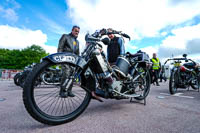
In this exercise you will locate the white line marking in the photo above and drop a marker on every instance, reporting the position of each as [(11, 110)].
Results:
[(177, 95), (166, 94)]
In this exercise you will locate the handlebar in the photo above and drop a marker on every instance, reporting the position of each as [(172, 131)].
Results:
[(104, 31), (179, 60)]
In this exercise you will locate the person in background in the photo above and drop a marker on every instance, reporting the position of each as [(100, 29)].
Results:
[(68, 43), (156, 67), (162, 74), (115, 47)]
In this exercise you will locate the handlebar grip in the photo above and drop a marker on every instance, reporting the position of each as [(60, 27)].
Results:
[(127, 36)]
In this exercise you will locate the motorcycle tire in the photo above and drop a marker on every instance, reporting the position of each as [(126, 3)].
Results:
[(16, 79), (147, 89), (36, 110), (197, 85), (172, 82), (22, 79)]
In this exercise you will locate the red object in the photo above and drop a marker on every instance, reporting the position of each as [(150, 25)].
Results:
[(182, 68)]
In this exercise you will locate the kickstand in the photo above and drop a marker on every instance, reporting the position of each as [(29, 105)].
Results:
[(138, 101), (188, 88)]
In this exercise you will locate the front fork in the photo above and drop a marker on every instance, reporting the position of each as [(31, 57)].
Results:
[(67, 84)]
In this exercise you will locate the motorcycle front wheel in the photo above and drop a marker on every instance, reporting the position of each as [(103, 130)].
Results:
[(45, 102), (173, 82)]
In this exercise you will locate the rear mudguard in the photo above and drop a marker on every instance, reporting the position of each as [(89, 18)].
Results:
[(66, 57)]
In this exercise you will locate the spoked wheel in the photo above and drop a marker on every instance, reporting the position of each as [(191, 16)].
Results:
[(47, 103), (195, 83), (143, 85), (172, 82)]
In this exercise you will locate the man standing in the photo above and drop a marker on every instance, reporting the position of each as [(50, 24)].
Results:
[(115, 47), (155, 68), (68, 43)]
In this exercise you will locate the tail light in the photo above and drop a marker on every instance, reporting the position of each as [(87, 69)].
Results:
[(182, 68)]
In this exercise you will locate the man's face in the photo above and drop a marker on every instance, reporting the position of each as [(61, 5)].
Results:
[(111, 36), (154, 55), (75, 32)]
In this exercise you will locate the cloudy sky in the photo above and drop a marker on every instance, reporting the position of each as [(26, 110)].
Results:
[(168, 27)]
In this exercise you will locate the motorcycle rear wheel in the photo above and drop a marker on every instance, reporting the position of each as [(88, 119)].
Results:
[(197, 82), (144, 86), (57, 110)]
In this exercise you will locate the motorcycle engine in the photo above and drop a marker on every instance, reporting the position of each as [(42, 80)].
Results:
[(117, 85)]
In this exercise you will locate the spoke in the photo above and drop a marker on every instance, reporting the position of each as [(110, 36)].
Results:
[(44, 94), (53, 101), (72, 103), (47, 97), (68, 100), (76, 100), (66, 105), (58, 105), (54, 106), (79, 97)]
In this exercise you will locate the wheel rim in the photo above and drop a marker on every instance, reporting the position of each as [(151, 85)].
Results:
[(142, 87), (47, 99)]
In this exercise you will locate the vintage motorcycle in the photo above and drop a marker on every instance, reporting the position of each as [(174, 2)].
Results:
[(184, 76), (50, 76), (20, 77), (52, 105)]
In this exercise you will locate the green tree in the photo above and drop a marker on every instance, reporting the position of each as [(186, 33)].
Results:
[(18, 59)]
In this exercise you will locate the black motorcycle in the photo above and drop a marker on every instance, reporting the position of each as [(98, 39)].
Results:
[(51, 76), (184, 76), (51, 104), (20, 77)]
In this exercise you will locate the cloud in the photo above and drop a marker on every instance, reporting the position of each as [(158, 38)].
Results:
[(9, 13), (138, 18), (183, 40), (16, 38), (52, 26), (150, 50), (176, 2)]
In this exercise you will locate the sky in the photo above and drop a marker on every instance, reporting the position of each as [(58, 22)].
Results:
[(167, 27)]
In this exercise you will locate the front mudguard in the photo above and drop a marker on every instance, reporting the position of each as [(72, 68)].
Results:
[(66, 57), (87, 81)]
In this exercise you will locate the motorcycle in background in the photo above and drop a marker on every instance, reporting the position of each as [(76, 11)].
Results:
[(184, 76), (20, 77)]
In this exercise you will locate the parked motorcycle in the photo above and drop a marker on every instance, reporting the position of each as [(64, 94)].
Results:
[(184, 76), (20, 77), (53, 105), (51, 76)]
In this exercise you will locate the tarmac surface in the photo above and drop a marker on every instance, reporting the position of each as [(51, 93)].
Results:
[(163, 113)]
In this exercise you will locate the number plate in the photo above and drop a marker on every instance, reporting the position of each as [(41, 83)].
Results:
[(64, 58)]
